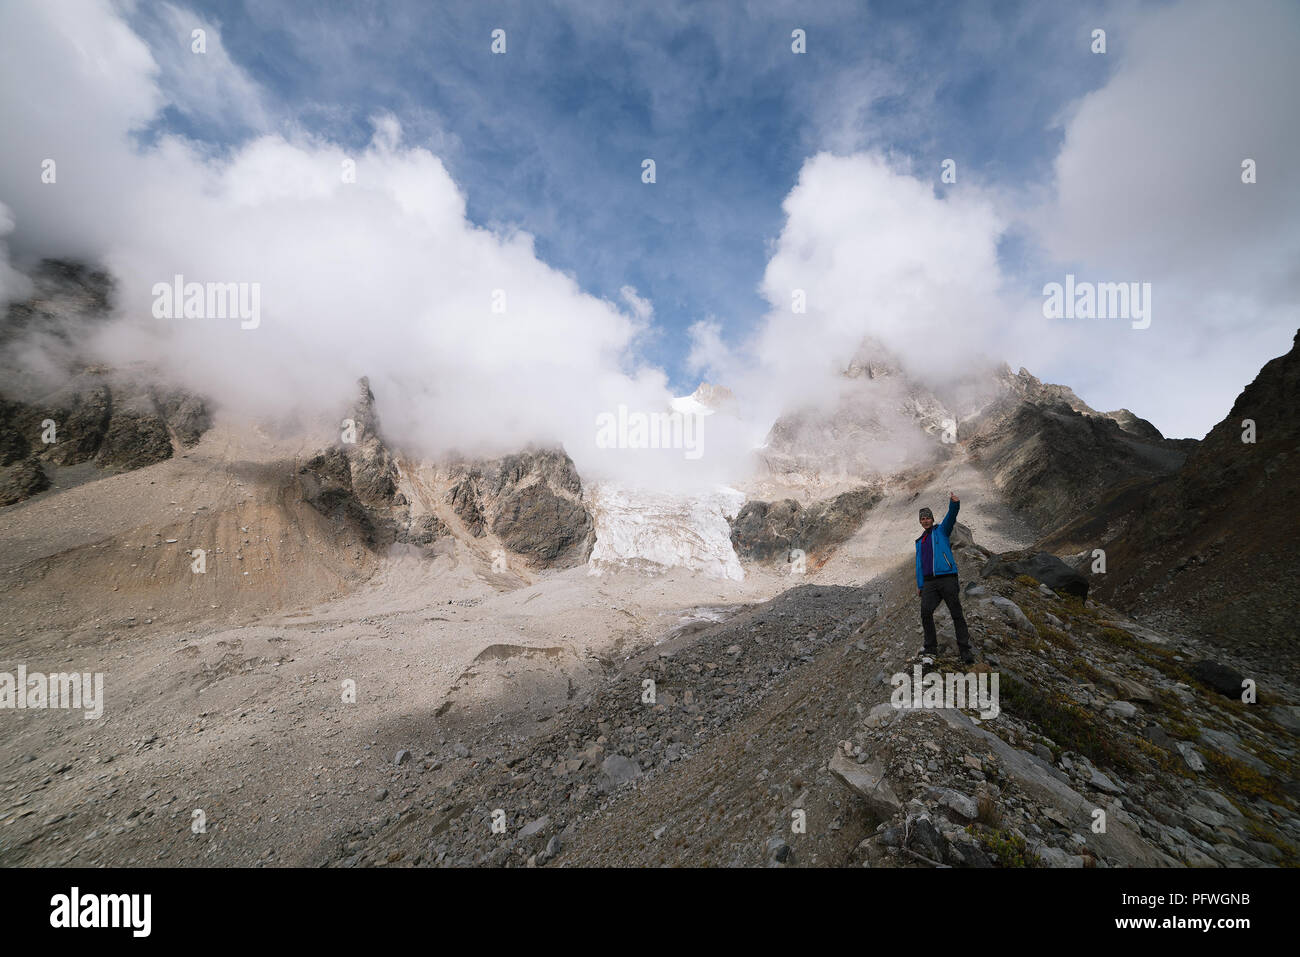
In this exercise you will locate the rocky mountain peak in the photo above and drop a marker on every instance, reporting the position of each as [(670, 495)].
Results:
[(715, 397)]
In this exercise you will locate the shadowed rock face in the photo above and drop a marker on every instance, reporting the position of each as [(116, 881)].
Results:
[(81, 412), (1052, 461), (425, 530), (98, 415), (537, 522), (187, 415), (356, 484), (20, 480), (1214, 544), (1053, 456), (532, 501), (326, 485), (135, 437), (770, 530), (765, 530), (96, 418), (466, 502)]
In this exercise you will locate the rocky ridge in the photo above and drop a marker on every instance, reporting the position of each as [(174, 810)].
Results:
[(531, 501), (1054, 457), (1209, 549)]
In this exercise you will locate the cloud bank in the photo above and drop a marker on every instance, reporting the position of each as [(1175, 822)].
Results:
[(365, 262)]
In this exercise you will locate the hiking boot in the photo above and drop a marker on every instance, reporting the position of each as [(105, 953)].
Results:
[(968, 658)]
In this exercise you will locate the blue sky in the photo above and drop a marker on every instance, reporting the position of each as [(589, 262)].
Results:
[(551, 135)]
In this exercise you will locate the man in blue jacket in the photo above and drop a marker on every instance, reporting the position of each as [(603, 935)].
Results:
[(936, 580)]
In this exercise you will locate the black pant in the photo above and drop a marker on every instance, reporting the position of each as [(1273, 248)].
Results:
[(935, 590)]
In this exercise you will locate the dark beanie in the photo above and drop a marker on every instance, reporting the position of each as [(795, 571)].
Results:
[(926, 513)]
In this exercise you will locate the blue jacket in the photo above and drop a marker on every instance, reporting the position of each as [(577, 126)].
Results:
[(940, 551)]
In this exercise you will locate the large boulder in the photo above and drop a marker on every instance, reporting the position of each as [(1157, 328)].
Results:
[(765, 530), (871, 783), (616, 771), (1224, 679), (1042, 566), (1012, 613)]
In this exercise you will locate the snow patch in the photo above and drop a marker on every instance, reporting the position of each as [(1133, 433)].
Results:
[(689, 405)]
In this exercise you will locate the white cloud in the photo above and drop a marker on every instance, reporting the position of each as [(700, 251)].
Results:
[(1148, 188), (385, 276), (209, 87), (382, 277), (709, 354), (13, 284), (876, 254), (643, 309)]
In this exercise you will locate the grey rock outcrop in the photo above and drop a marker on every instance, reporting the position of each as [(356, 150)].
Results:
[(870, 781), (763, 531), (98, 418), (356, 483), (531, 501), (66, 410), (1053, 457), (21, 480)]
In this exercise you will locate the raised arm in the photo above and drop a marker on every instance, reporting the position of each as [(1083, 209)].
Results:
[(949, 520)]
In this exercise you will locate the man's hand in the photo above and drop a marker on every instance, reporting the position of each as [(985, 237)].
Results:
[(953, 498)]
